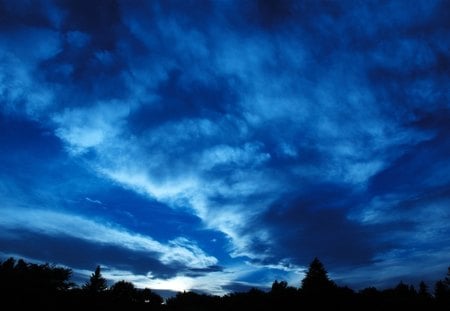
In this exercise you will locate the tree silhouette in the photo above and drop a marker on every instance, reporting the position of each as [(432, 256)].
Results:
[(42, 285), (447, 278), (316, 280), (279, 287), (8, 265), (423, 295), (31, 286), (151, 298), (34, 277), (442, 290), (423, 290), (96, 283), (282, 294), (123, 292)]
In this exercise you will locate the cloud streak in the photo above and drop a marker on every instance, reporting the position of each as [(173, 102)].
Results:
[(179, 251)]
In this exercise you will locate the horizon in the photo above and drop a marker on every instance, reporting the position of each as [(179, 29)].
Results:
[(75, 283), (218, 145)]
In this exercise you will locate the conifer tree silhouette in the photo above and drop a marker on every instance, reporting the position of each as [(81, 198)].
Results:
[(442, 290), (447, 278), (423, 290), (96, 283), (316, 279)]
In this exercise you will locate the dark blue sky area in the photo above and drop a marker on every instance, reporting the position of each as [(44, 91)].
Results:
[(217, 145)]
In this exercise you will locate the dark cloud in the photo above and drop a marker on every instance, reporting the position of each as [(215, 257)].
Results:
[(180, 98), (237, 287), (303, 229), (413, 173), (32, 14), (203, 271), (99, 18), (271, 13)]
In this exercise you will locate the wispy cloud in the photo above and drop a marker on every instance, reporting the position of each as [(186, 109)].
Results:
[(179, 251), (94, 201)]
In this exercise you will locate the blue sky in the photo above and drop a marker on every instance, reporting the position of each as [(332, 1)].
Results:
[(218, 145)]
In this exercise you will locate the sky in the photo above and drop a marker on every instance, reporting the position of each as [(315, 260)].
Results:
[(220, 145)]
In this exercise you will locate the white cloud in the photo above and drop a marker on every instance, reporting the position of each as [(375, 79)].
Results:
[(359, 173), (136, 178), (187, 253), (141, 164), (93, 201), (18, 91), (247, 155), (179, 251), (230, 219), (428, 213), (84, 128)]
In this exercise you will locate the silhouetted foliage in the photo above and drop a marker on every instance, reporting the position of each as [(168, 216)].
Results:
[(423, 289), (442, 291), (146, 296), (27, 285), (22, 282), (123, 292), (423, 295), (402, 296), (97, 283), (283, 295), (316, 280), (192, 301)]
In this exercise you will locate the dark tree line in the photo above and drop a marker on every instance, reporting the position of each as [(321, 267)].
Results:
[(44, 286), (28, 285)]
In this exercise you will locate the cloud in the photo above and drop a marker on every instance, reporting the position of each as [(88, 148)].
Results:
[(94, 201), (293, 129), (179, 251), (426, 213), (85, 128), (390, 268)]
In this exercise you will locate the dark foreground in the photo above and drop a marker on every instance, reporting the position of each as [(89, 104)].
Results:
[(33, 286)]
